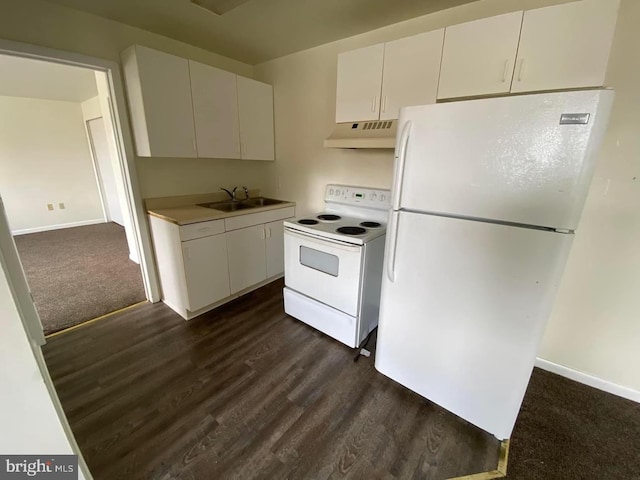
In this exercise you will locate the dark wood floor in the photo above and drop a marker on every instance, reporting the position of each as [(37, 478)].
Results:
[(246, 392)]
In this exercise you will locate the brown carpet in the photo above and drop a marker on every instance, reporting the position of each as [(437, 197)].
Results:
[(567, 430), (80, 273)]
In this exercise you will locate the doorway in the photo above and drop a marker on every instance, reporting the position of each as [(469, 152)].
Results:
[(131, 210), (104, 172), (59, 182)]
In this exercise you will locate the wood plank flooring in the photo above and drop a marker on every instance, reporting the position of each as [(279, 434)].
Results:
[(246, 392)]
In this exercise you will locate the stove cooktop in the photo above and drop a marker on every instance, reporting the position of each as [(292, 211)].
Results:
[(338, 227)]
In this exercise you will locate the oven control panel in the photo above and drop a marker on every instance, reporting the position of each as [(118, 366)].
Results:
[(362, 196)]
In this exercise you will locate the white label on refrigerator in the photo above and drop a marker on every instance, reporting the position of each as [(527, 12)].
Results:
[(574, 118)]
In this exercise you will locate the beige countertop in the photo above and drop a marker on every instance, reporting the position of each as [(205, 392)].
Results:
[(184, 210)]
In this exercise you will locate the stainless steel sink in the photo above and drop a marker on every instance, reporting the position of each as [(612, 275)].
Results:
[(241, 205), (262, 201), (227, 206)]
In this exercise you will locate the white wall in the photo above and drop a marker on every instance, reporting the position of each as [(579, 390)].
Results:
[(91, 108), (117, 168), (47, 24), (595, 327), (45, 158), (91, 111), (30, 422)]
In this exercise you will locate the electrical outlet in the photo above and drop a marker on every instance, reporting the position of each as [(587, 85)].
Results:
[(49, 206), (61, 205)]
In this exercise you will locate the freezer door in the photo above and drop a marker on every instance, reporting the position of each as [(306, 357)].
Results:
[(463, 309), (525, 159)]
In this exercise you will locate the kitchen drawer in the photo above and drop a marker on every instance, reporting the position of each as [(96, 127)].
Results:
[(248, 220), (201, 229)]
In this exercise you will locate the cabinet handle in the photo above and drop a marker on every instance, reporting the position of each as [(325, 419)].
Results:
[(187, 252), (521, 70), (374, 101), (505, 71), (263, 234), (384, 103), (268, 232), (193, 142)]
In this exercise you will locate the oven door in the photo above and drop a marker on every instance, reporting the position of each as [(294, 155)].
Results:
[(322, 269)]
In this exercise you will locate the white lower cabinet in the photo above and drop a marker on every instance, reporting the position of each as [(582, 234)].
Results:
[(274, 247), (202, 265), (192, 263), (205, 270), (247, 258), (255, 253)]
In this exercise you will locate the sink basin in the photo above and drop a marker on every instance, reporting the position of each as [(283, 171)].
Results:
[(262, 201), (241, 205), (227, 206)]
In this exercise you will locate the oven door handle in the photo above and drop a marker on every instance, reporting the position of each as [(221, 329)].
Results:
[(323, 241)]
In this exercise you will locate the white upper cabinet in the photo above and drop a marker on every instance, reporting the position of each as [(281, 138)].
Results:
[(359, 81), (565, 46), (255, 106), (215, 111), (411, 71), (182, 108), (478, 57), (159, 92)]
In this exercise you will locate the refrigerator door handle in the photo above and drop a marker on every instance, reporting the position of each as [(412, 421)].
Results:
[(391, 254), (400, 160)]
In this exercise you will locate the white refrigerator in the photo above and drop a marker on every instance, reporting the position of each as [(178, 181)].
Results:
[(486, 197)]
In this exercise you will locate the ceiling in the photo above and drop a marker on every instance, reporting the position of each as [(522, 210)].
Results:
[(260, 30), (23, 77)]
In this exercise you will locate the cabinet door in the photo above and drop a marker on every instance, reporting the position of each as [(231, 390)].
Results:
[(255, 105), (411, 71), (206, 270), (359, 82), (159, 93), (215, 111), (565, 46), (246, 251), (478, 57), (275, 248)]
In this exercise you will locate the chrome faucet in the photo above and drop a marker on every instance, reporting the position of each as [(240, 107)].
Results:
[(232, 194), (246, 192)]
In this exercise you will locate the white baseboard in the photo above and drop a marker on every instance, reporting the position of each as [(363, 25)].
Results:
[(590, 380), (46, 228), (134, 258)]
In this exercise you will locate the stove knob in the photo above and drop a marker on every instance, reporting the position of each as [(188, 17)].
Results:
[(338, 192), (382, 197), (373, 196), (331, 191)]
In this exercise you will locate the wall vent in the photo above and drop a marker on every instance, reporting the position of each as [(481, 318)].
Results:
[(377, 125), (366, 134)]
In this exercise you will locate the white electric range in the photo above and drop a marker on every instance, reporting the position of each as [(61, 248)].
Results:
[(333, 263)]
